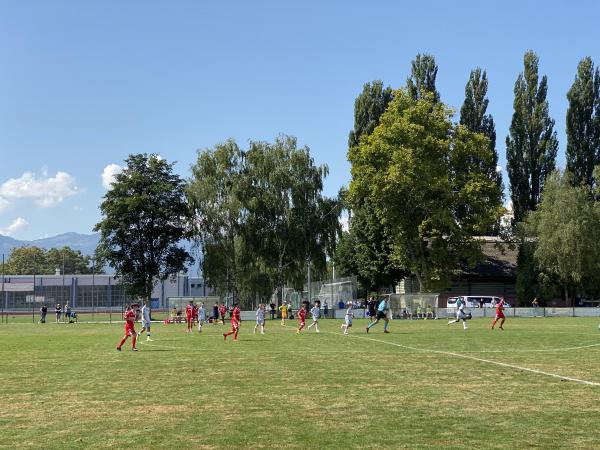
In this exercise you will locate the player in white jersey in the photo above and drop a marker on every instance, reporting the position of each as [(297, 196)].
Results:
[(460, 314), (260, 319), (201, 317), (315, 312), (348, 318), (145, 320)]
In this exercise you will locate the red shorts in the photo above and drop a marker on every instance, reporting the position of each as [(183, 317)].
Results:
[(188, 318), (129, 331), (301, 323), (235, 325), (500, 315)]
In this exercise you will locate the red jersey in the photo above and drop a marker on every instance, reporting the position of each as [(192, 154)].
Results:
[(500, 307), (222, 310), (195, 311), (129, 317), (301, 315), (189, 311), (235, 315)]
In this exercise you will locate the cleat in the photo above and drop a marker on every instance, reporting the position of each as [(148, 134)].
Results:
[(134, 349), (224, 336), (119, 349), (367, 330), (386, 331), (149, 340)]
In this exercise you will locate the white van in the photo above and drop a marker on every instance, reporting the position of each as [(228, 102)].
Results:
[(474, 301)]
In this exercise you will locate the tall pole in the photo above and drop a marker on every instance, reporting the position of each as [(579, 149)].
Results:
[(309, 282), (93, 286), (33, 302), (5, 304)]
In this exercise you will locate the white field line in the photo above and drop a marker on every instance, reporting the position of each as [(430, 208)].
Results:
[(531, 351), (488, 361)]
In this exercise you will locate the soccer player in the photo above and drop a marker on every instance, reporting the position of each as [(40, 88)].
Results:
[(315, 312), (260, 319), (129, 317), (189, 316), (301, 318), (348, 318), (284, 310), (222, 312), (499, 314), (235, 323), (194, 313), (460, 313), (381, 314), (201, 317), (145, 320)]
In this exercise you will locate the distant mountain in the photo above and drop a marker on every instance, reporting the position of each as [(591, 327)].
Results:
[(86, 243)]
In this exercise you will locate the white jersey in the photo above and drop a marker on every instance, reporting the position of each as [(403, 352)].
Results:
[(260, 315), (145, 313), (315, 312), (201, 313), (350, 312)]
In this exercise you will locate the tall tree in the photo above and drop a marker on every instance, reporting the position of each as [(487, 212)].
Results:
[(214, 196), (413, 170), (370, 104), (422, 77), (531, 145), (473, 116), (583, 123), (365, 249), (144, 218), (566, 232)]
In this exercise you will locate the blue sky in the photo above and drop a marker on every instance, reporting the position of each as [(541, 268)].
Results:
[(83, 84)]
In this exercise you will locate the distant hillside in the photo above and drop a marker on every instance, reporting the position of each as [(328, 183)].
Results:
[(86, 243)]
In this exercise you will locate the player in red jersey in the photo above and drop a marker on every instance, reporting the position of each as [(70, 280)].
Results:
[(222, 311), (194, 313), (235, 323), (129, 317), (301, 318), (499, 314), (189, 316)]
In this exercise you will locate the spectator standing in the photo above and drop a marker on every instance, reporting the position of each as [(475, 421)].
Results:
[(58, 312), (67, 312), (272, 305), (215, 313), (43, 312), (536, 306), (325, 309)]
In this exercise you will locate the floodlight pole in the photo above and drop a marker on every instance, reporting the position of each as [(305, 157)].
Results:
[(5, 303), (309, 281), (93, 286)]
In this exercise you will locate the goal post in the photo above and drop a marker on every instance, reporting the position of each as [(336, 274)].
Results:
[(413, 306)]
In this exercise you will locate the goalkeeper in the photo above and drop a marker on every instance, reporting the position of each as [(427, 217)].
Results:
[(461, 314)]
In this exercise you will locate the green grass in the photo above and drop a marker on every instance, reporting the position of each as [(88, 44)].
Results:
[(65, 386)]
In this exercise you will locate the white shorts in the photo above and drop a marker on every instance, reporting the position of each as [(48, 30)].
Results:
[(348, 320), (460, 315), (315, 319), (260, 322), (146, 325)]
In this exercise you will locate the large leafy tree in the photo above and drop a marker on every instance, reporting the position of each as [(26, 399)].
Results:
[(583, 123), (370, 104), (144, 219), (531, 145), (413, 170), (423, 73), (566, 232), (290, 224), (214, 196), (35, 260), (365, 249), (473, 115)]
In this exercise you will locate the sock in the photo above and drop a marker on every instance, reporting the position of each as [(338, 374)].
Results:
[(371, 325), (385, 326), (465, 325), (147, 335), (235, 335), (133, 339), (122, 342), (317, 328)]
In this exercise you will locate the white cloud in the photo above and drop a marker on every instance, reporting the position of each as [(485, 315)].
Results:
[(108, 174), (345, 222), (3, 204), (498, 169), (44, 191), (18, 224)]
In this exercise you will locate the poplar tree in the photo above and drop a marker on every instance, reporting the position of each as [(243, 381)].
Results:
[(422, 77), (531, 145), (583, 124), (370, 104)]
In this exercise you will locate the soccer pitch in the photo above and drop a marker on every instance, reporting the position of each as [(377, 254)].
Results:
[(425, 385)]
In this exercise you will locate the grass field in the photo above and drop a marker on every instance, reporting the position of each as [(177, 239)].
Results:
[(425, 385)]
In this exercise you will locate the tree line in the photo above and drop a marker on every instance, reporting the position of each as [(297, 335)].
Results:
[(38, 261), (412, 191), (424, 186)]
